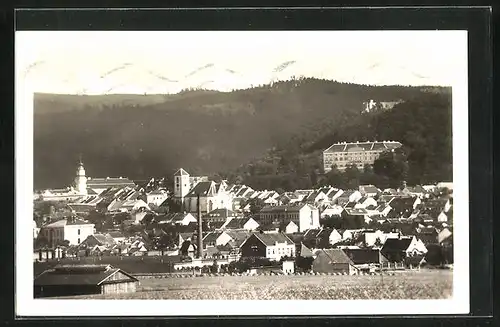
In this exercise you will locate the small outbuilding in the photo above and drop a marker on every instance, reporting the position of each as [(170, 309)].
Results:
[(71, 280), (333, 261)]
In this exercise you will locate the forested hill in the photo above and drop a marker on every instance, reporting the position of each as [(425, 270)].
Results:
[(205, 132), (422, 124)]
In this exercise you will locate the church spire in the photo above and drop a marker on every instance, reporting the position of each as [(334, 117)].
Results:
[(81, 179)]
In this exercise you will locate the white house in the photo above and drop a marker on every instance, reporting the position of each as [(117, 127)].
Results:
[(219, 238), (291, 228), (179, 218), (350, 233), (156, 197), (273, 246), (138, 215), (370, 237), (36, 230), (317, 198), (386, 236), (369, 190), (335, 194), (332, 210), (127, 205), (443, 217), (429, 188), (72, 229), (383, 209), (302, 194), (443, 235), (305, 216), (396, 249), (366, 201), (272, 200), (417, 191), (241, 223), (333, 235), (349, 196)]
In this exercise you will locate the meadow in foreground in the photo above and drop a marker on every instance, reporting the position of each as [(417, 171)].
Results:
[(407, 285)]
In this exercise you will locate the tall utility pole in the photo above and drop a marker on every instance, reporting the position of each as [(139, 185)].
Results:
[(200, 229)]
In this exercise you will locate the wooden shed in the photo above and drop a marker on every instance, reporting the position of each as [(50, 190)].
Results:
[(333, 261), (71, 280)]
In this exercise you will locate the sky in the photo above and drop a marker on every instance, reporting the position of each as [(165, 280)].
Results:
[(76, 62)]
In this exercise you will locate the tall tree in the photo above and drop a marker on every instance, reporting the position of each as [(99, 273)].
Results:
[(352, 176), (334, 177), (393, 165)]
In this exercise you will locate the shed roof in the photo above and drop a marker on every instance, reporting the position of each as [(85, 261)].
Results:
[(80, 275), (362, 256), (335, 255), (396, 244)]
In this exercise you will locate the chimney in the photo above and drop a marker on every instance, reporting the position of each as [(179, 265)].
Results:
[(200, 230)]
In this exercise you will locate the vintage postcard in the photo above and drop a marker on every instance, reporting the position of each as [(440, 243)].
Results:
[(328, 169)]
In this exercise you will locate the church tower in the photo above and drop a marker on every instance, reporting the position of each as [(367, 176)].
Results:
[(181, 184), (81, 179)]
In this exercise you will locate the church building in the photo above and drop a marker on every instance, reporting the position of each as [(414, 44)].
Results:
[(212, 195)]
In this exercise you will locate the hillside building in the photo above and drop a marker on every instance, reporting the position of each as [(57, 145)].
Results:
[(360, 153)]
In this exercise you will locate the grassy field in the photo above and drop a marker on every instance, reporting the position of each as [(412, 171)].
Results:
[(423, 284)]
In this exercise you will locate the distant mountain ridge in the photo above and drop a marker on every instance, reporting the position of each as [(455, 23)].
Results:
[(206, 132), (134, 78)]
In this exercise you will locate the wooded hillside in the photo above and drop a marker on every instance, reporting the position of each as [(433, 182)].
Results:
[(214, 132)]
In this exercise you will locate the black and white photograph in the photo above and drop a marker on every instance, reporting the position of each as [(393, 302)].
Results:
[(242, 165)]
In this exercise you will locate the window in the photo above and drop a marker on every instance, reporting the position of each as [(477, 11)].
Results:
[(78, 233), (78, 240)]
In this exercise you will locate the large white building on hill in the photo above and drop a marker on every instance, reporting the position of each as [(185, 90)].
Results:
[(359, 153)]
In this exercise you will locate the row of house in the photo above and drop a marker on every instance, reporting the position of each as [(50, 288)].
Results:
[(221, 203)]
